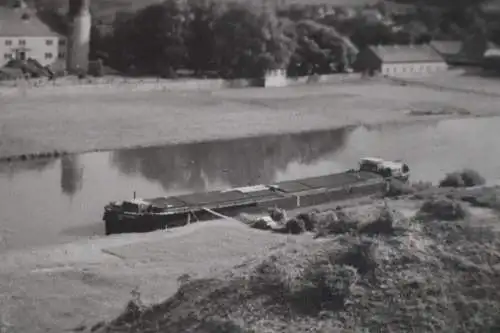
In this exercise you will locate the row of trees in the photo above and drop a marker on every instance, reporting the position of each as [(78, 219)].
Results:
[(230, 39), (244, 40)]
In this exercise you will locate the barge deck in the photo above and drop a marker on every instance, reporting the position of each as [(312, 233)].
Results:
[(144, 215)]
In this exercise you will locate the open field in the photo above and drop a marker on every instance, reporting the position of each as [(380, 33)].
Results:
[(55, 289), (97, 120), (60, 288)]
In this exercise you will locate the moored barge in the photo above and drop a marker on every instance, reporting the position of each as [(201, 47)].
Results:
[(143, 215)]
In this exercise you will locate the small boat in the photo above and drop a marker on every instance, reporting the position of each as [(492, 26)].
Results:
[(143, 215)]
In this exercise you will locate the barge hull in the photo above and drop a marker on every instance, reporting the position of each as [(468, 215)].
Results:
[(287, 195)]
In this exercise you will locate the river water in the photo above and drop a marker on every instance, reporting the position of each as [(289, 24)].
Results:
[(48, 202)]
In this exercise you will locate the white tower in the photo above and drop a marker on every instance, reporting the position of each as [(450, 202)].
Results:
[(79, 35)]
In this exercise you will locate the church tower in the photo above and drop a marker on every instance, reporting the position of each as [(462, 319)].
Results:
[(79, 35)]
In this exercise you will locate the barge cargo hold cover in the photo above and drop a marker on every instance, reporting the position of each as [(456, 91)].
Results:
[(143, 215)]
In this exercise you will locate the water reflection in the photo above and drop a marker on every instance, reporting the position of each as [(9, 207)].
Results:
[(236, 163), (17, 167), (71, 174)]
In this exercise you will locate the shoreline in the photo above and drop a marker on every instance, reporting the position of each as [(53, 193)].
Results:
[(410, 120)]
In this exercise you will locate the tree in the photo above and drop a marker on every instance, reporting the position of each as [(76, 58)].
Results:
[(153, 39), (200, 34), (320, 50), (250, 41)]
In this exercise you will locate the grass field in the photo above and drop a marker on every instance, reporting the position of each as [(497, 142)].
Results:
[(115, 118)]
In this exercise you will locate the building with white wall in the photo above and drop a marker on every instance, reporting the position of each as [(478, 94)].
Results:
[(24, 36), (400, 60)]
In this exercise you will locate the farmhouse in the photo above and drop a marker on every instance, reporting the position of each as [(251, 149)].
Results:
[(24, 36), (399, 60)]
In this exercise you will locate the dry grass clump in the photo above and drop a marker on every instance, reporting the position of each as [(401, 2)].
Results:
[(442, 208), (381, 220), (464, 178)]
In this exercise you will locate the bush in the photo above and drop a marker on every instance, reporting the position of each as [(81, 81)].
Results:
[(323, 285), (486, 198), (277, 214), (443, 208), (295, 226), (397, 188), (383, 224), (310, 219), (334, 222), (464, 178)]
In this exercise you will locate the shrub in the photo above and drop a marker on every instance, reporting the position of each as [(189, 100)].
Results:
[(486, 198), (442, 208), (310, 219), (295, 226), (323, 285), (464, 178), (362, 255), (334, 222), (383, 224), (397, 188), (277, 214), (260, 224)]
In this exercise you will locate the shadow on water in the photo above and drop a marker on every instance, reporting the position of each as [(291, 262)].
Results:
[(236, 162)]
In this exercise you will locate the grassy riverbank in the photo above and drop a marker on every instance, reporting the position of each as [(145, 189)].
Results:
[(249, 280), (428, 263), (95, 121)]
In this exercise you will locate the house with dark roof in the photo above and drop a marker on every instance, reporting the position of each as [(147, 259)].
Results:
[(399, 60), (24, 36)]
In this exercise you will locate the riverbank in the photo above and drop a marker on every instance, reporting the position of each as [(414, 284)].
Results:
[(94, 122), (62, 288)]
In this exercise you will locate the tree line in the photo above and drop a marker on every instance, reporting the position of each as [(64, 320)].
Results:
[(227, 39), (246, 39)]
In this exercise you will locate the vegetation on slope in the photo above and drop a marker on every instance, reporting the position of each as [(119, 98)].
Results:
[(419, 274)]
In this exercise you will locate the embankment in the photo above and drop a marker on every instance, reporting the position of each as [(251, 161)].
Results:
[(246, 279)]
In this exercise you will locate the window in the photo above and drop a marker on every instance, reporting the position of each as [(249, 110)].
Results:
[(48, 55), (8, 42), (49, 42), (7, 56), (61, 55), (62, 42), (22, 42)]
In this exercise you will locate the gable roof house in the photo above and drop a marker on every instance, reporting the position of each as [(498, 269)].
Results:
[(24, 36), (399, 60)]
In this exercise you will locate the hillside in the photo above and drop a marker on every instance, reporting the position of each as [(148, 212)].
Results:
[(419, 266)]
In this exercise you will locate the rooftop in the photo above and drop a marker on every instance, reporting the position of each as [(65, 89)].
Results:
[(406, 53), (448, 47), (23, 22)]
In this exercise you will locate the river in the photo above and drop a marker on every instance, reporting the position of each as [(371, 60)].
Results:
[(48, 202)]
